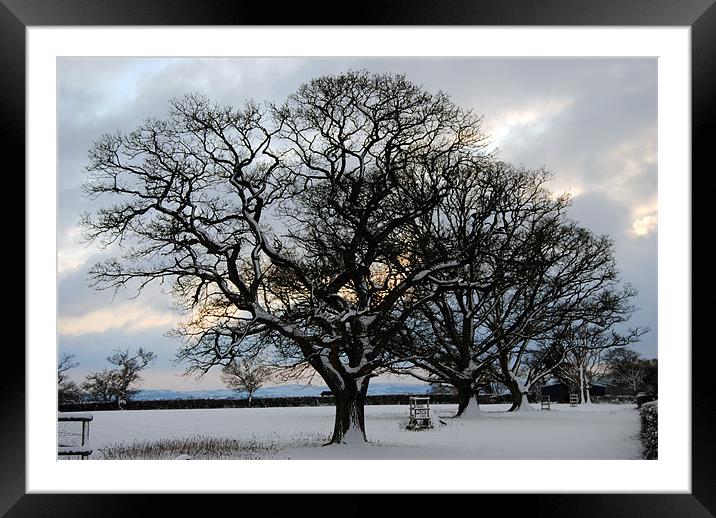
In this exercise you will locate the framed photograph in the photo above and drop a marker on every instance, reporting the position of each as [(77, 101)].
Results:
[(456, 242)]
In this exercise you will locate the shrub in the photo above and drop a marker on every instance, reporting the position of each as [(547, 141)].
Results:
[(649, 413)]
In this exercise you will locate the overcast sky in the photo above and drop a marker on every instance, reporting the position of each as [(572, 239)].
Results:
[(592, 122)]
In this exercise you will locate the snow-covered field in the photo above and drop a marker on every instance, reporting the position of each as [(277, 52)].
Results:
[(600, 431)]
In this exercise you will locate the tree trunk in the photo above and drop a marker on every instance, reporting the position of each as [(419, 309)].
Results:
[(467, 403), (510, 382), (516, 395), (349, 426), (520, 402), (251, 396), (523, 404)]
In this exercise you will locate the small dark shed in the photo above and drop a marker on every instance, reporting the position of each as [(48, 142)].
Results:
[(559, 392)]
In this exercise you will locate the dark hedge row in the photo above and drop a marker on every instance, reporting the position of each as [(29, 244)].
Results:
[(243, 403), (393, 399), (649, 413)]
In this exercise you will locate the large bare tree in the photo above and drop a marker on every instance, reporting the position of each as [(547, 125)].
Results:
[(531, 272), (579, 292), (290, 220), (493, 215)]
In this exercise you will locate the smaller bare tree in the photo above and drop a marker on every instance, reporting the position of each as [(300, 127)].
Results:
[(583, 357), (100, 386), (626, 368), (119, 383), (67, 389), (246, 375)]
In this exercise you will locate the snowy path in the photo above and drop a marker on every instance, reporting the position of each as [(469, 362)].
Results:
[(592, 432)]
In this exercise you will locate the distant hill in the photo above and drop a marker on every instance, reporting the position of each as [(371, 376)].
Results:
[(374, 389)]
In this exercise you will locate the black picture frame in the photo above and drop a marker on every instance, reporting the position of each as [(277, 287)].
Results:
[(699, 15)]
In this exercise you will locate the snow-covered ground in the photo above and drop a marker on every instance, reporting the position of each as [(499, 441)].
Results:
[(600, 431)]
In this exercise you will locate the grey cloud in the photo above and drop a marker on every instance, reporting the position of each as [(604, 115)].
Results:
[(636, 258), (75, 297), (92, 349)]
